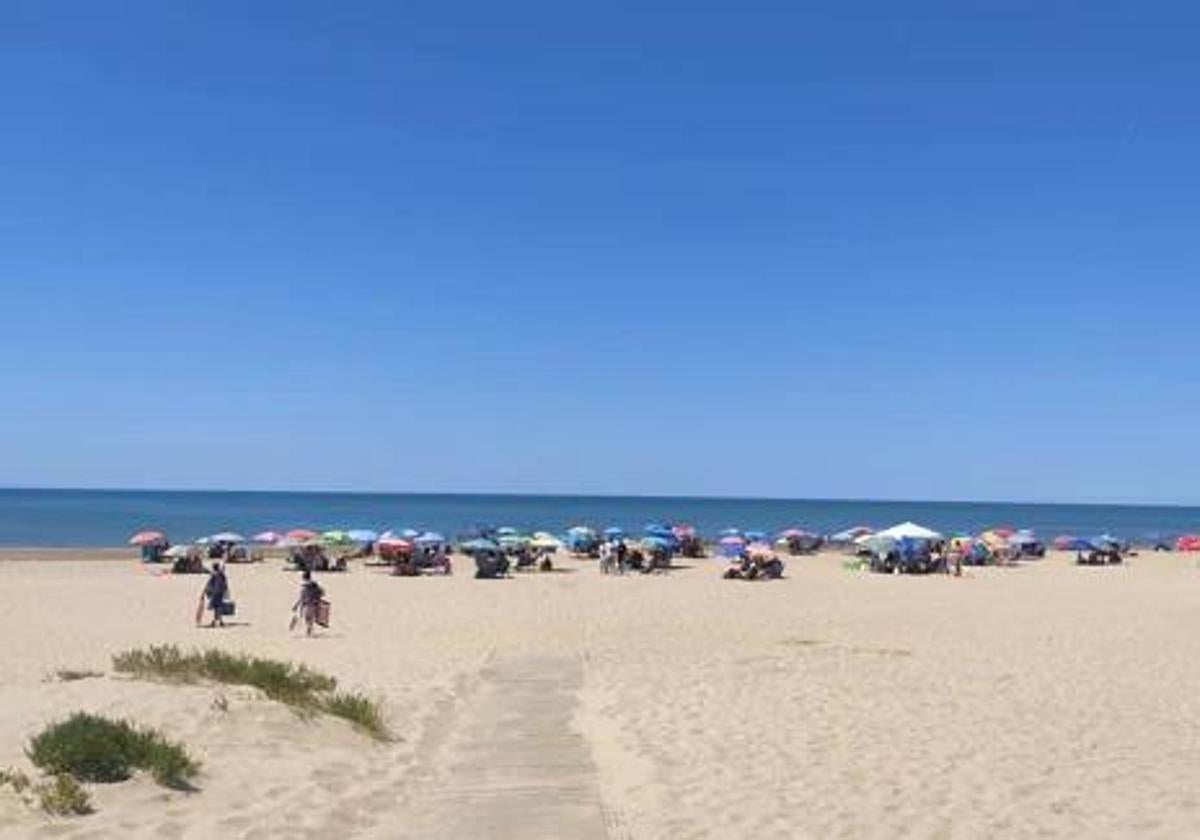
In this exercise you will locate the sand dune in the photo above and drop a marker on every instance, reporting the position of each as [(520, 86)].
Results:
[(1039, 701)]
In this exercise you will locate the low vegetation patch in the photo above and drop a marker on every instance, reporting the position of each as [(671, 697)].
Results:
[(71, 675), (91, 748), (304, 690), (14, 779), (62, 796), (359, 710)]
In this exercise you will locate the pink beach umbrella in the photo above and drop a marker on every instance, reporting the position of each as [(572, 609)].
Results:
[(300, 535), (144, 538)]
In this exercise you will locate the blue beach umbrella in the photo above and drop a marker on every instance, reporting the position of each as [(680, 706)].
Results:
[(363, 535), (614, 533), (429, 538), (479, 545)]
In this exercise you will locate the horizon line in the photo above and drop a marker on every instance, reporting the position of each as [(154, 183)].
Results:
[(579, 495)]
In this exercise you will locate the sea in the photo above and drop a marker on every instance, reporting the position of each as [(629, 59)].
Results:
[(96, 518)]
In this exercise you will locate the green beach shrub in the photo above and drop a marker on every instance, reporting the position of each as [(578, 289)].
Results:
[(91, 748)]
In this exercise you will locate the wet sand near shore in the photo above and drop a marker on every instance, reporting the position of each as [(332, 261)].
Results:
[(1044, 700)]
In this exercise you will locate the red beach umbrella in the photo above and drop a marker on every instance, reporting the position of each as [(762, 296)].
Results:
[(148, 538), (302, 535)]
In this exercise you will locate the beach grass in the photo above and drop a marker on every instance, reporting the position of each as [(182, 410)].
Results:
[(63, 796), (92, 748), (15, 779), (362, 711), (303, 689)]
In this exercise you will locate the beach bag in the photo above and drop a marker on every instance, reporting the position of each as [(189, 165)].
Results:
[(228, 608), (323, 608)]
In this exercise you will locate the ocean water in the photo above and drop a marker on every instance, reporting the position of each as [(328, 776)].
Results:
[(109, 517)]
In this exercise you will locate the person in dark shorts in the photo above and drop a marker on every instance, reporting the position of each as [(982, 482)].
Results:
[(216, 591)]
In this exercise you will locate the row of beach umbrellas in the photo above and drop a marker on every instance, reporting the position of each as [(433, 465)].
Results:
[(731, 541)]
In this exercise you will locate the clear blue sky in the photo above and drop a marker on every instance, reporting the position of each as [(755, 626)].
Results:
[(864, 249)]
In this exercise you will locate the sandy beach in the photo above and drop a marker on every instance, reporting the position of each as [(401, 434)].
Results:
[(1044, 700)]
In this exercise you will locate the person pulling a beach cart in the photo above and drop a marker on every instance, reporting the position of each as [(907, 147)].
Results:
[(311, 605)]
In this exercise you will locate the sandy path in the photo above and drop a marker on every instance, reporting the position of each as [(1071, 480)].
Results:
[(512, 763)]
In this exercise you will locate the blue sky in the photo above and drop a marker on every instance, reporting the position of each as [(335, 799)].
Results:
[(920, 250)]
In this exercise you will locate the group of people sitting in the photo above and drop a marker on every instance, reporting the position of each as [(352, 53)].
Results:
[(756, 567), (617, 558), (432, 558), (312, 558)]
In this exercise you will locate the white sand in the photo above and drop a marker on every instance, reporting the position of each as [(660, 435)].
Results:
[(1039, 701)]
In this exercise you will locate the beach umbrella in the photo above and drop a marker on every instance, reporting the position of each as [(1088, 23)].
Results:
[(268, 537), (731, 532), (299, 535), (479, 545), (336, 537), (683, 530), (512, 540), (1188, 542), (402, 534), (653, 542), (545, 541), (429, 538), (755, 536), (362, 535), (993, 539), (850, 534), (793, 532), (175, 552), (580, 529), (731, 546), (227, 537), (144, 538), (614, 533), (507, 531)]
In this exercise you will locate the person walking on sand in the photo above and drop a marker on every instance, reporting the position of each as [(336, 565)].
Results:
[(308, 605), (216, 590)]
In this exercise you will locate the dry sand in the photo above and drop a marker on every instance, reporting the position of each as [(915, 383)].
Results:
[(1039, 701)]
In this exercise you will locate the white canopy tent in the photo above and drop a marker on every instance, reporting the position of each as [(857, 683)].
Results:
[(911, 530)]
